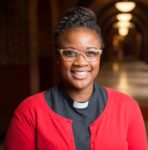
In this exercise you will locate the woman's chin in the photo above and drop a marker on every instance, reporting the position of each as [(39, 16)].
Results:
[(80, 85)]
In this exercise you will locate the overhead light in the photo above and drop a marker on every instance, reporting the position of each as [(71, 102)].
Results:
[(125, 6), (121, 24), (123, 31), (124, 16)]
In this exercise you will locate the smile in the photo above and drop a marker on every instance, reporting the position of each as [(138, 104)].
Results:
[(80, 74)]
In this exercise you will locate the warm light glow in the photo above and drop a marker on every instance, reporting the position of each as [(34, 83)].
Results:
[(115, 67), (123, 83), (123, 31), (125, 6), (121, 24), (124, 17), (115, 42)]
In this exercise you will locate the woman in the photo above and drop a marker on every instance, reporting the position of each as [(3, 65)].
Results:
[(77, 114)]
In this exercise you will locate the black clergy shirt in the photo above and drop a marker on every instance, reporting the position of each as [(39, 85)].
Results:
[(61, 103)]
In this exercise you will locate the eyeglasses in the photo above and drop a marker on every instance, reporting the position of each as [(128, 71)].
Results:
[(89, 55)]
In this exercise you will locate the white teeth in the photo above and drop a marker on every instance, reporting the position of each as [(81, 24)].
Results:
[(80, 74)]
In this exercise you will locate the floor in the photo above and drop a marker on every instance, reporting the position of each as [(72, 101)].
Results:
[(128, 77)]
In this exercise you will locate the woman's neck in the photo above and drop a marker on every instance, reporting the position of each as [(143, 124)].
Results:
[(80, 95)]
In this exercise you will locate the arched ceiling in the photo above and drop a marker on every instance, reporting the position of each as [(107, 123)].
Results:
[(106, 14)]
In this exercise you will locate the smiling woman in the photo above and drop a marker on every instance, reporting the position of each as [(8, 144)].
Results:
[(80, 72), (77, 114)]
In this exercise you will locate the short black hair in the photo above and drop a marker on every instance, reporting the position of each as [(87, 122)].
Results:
[(77, 17)]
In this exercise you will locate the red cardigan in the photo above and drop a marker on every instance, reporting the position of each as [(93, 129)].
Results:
[(35, 126)]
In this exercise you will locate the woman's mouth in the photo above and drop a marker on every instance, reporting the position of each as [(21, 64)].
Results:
[(80, 74)]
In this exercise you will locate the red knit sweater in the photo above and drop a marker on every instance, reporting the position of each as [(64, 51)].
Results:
[(35, 126)]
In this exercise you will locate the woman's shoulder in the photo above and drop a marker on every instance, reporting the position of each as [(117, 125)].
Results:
[(31, 102), (36, 102), (120, 98)]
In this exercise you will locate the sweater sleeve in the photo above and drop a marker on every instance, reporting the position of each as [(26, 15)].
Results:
[(136, 132), (21, 132)]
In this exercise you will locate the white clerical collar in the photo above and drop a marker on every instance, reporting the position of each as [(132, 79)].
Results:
[(81, 105)]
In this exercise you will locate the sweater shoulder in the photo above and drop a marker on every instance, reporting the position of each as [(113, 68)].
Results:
[(120, 98), (31, 102)]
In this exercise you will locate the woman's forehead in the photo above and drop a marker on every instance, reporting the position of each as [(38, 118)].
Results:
[(80, 37), (79, 33), (80, 30)]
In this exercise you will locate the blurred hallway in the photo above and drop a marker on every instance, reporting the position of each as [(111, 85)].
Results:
[(130, 78)]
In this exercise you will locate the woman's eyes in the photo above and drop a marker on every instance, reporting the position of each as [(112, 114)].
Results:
[(73, 53), (91, 53), (70, 53)]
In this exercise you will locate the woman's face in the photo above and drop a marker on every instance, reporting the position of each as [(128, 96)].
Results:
[(79, 74)]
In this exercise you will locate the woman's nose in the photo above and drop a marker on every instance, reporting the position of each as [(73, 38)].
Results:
[(81, 60)]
